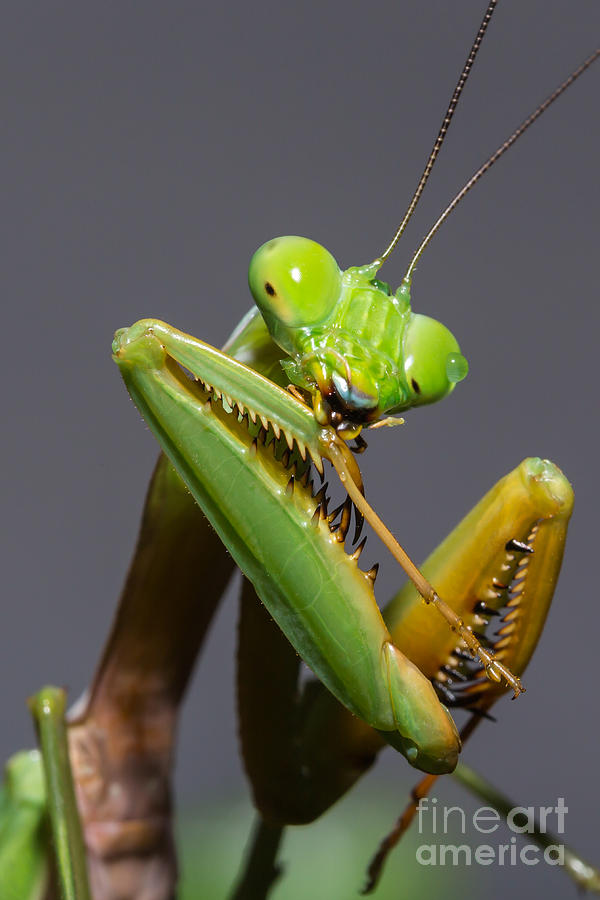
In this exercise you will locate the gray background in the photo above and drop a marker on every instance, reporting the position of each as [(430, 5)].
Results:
[(147, 149)]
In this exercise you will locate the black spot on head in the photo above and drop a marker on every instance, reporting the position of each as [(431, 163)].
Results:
[(269, 289), (415, 386)]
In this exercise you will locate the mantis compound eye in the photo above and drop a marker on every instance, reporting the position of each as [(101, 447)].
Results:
[(295, 283), (433, 363)]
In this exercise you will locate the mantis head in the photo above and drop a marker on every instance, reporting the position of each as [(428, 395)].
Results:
[(348, 335)]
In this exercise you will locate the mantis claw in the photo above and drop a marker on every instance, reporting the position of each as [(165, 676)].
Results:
[(495, 671)]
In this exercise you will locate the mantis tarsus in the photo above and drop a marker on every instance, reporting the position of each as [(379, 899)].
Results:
[(513, 455)]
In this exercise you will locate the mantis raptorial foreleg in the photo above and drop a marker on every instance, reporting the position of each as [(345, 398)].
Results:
[(325, 607), (298, 774)]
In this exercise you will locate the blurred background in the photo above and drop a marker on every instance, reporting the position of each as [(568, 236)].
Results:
[(147, 150)]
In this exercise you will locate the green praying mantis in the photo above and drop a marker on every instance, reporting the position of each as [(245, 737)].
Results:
[(150, 339)]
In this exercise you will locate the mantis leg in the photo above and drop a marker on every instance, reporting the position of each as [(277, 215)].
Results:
[(48, 710), (122, 732)]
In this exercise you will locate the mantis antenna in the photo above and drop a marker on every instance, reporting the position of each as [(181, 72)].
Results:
[(443, 129), (494, 158)]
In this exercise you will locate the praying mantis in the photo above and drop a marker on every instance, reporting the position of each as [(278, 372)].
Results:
[(513, 456)]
